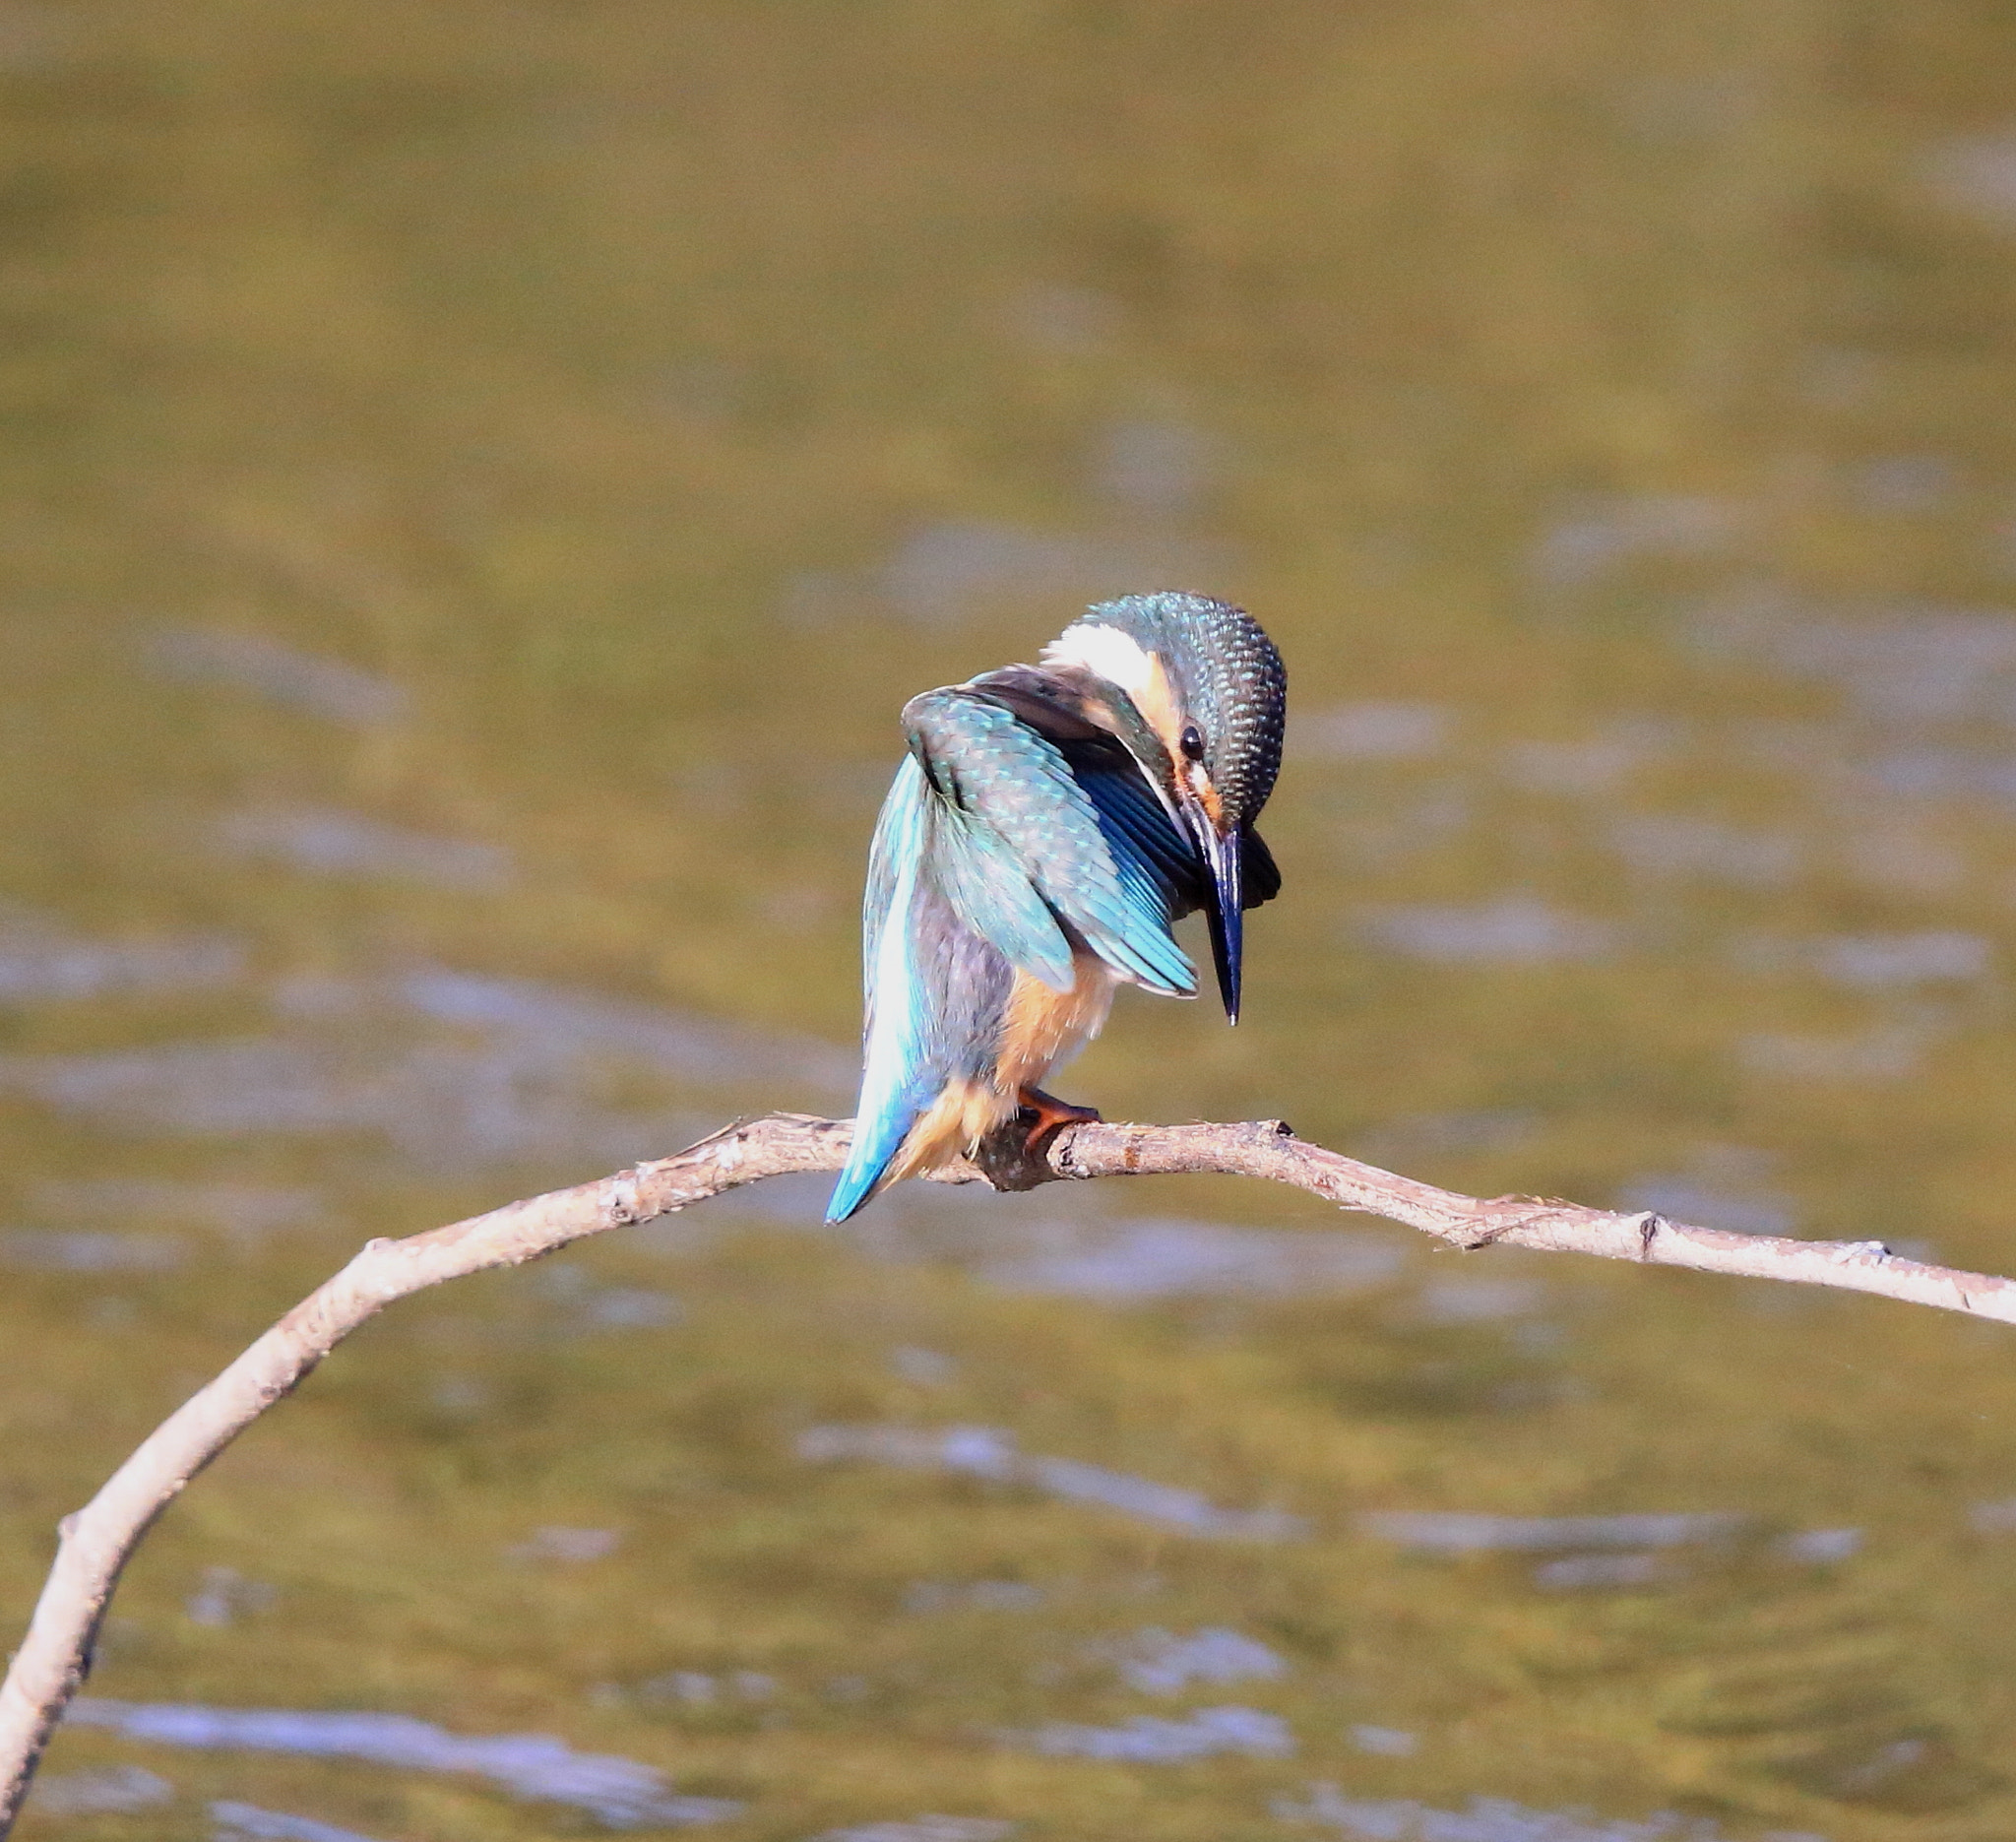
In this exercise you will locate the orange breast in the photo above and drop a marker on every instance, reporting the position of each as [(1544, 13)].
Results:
[(1044, 1029)]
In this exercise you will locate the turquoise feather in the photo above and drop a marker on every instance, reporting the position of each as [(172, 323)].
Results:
[(1010, 797)]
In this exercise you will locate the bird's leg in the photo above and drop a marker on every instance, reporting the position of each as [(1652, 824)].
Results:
[(1050, 1113)]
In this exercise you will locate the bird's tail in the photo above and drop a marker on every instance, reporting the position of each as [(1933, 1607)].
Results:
[(878, 1136), (897, 1082)]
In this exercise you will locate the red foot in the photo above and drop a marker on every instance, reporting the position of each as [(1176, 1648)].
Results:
[(1051, 1113)]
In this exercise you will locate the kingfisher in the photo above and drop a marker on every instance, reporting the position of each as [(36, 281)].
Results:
[(1048, 826)]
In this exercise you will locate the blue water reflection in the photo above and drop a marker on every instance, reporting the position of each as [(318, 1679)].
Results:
[(988, 1452), (1493, 1819), (618, 1792), (246, 1822), (273, 669)]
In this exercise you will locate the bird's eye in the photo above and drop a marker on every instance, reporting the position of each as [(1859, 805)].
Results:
[(1192, 739)]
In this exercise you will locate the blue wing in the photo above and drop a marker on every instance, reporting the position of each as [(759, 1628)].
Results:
[(1019, 825), (1151, 852), (1128, 805)]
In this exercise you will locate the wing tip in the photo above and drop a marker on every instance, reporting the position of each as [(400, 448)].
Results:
[(1164, 976)]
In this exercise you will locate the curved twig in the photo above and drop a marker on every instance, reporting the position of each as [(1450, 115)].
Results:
[(96, 1542)]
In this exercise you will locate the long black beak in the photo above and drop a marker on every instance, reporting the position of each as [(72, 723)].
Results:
[(1223, 854)]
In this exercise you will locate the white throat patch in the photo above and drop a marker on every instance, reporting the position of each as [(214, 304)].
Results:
[(1106, 653)]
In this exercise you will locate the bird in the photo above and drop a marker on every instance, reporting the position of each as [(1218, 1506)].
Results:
[(1047, 826)]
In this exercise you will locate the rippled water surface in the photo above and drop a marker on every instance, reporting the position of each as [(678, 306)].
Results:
[(479, 481)]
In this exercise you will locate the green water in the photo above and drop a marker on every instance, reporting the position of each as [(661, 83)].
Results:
[(478, 482)]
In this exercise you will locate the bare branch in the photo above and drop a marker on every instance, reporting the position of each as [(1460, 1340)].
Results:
[(97, 1541)]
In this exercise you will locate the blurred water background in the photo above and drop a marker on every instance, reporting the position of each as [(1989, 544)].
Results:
[(479, 481)]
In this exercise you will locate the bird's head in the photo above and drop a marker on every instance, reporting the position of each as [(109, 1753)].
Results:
[(1198, 694)]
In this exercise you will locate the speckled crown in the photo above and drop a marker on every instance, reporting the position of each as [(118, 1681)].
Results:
[(1230, 676)]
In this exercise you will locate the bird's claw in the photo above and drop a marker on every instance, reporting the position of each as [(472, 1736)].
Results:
[(1047, 1113)]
